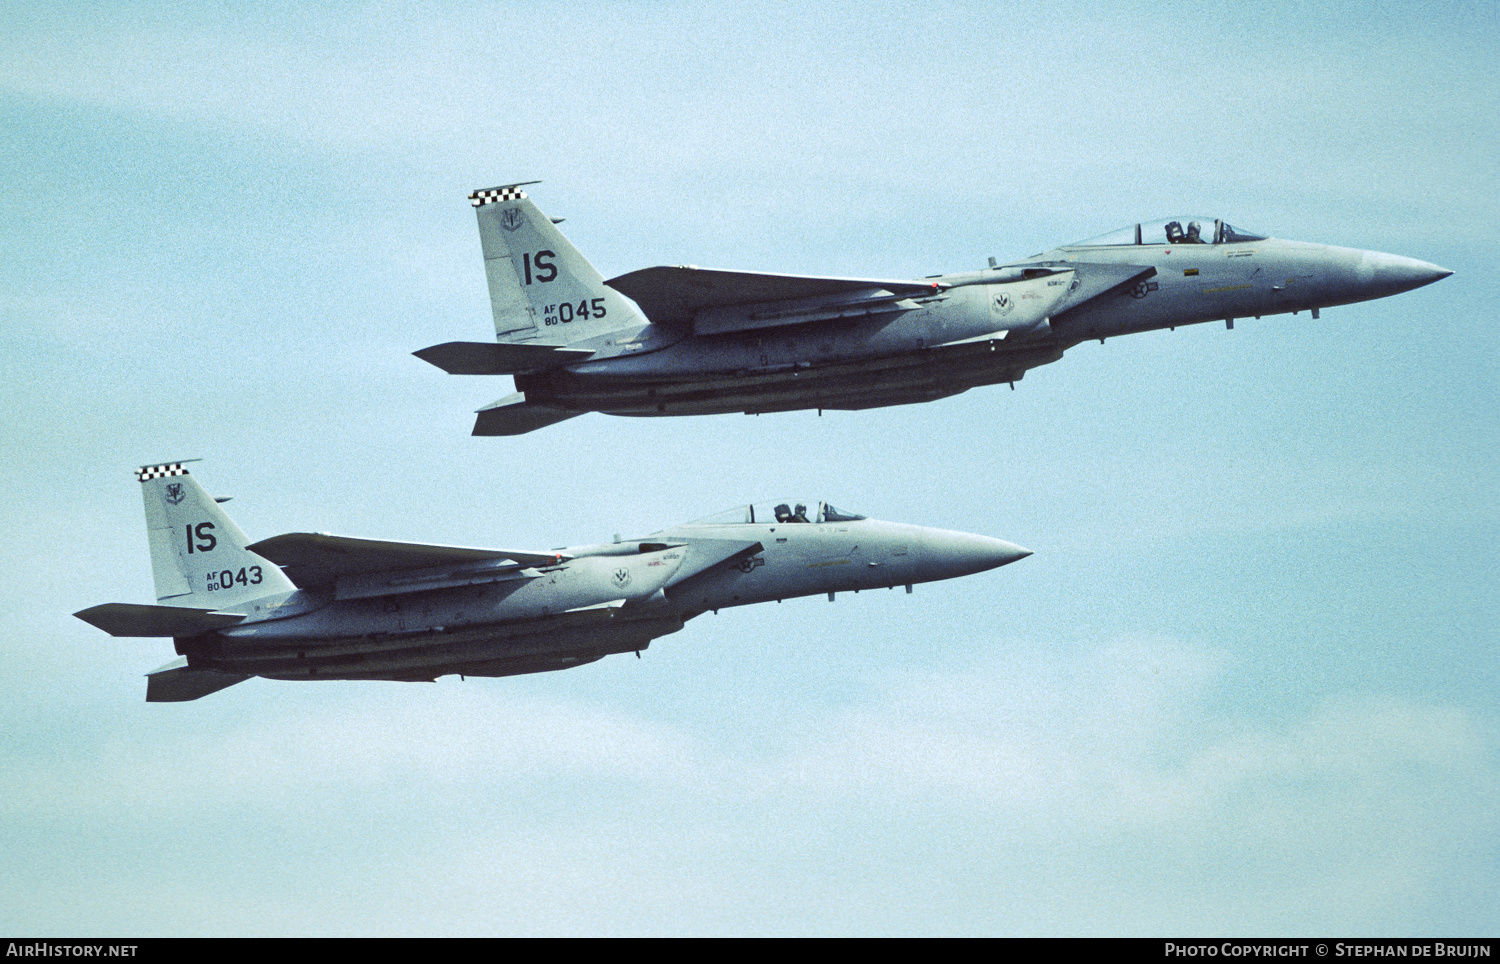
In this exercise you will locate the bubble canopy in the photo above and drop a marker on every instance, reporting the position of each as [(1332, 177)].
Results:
[(1188, 229), (787, 512)]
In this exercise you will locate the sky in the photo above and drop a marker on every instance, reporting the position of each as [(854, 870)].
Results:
[(1245, 686)]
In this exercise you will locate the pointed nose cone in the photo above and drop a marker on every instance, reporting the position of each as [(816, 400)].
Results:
[(1389, 274), (962, 553), (1004, 553)]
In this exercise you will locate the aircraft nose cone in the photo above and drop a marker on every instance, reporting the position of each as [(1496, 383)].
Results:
[(1004, 553), (962, 553), (1391, 273)]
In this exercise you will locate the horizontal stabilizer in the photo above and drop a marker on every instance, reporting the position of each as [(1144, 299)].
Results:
[(134, 619), (177, 683), (318, 559), (489, 358), (513, 415), (673, 295)]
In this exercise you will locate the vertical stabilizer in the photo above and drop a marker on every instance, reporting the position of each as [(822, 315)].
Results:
[(198, 554), (541, 287), (176, 682)]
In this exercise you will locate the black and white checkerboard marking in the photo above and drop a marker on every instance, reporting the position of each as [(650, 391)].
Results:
[(493, 195), (148, 472)]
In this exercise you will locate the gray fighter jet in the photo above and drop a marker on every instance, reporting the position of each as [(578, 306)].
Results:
[(689, 341), (312, 606)]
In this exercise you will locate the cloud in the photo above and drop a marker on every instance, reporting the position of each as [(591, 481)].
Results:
[(1096, 788), (1124, 734)]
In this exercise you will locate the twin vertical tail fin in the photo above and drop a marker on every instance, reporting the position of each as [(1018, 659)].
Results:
[(203, 574), (541, 287), (198, 554)]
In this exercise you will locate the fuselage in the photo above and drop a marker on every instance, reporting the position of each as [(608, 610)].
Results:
[(601, 599), (956, 338), (829, 556), (1196, 283), (684, 340), (920, 348)]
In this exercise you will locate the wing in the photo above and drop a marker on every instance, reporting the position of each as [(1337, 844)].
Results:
[(676, 295), (314, 559)]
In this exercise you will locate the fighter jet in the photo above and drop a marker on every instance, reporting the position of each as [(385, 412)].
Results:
[(313, 606), (685, 340)]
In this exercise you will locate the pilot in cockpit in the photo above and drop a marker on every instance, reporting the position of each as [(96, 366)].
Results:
[(1193, 235), (784, 513)]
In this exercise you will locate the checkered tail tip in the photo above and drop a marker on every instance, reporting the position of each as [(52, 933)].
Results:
[(148, 472), (494, 195)]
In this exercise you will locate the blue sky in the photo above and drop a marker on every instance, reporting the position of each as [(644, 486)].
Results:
[(1246, 685)]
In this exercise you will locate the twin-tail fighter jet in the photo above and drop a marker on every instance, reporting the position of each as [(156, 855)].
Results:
[(308, 606), (691, 341)]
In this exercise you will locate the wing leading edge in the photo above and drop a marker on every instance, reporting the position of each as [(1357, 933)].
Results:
[(314, 559), (674, 295)]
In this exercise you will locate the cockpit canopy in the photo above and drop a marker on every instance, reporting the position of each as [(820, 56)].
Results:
[(790, 511), (1192, 229)]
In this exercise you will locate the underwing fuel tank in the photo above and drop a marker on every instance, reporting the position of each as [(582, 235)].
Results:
[(314, 606)]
